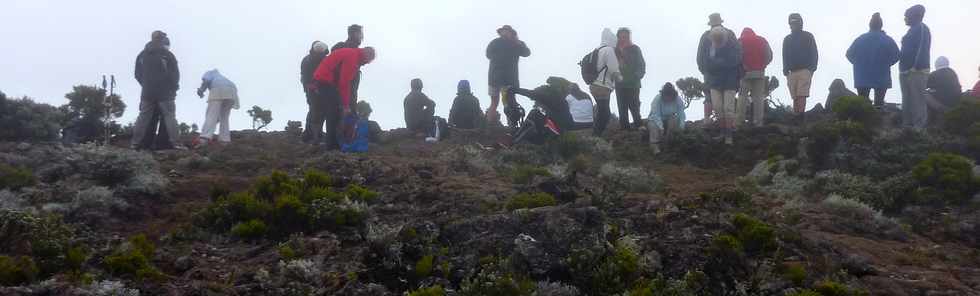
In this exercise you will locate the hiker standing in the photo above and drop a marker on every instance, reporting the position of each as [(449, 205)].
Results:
[(799, 62), (724, 64), (704, 46), (504, 52), (355, 36), (914, 68), (943, 89), (222, 97), (335, 80), (756, 56), (607, 68), (318, 51), (873, 54), (633, 68), (158, 75), (419, 109), (465, 112), (666, 116)]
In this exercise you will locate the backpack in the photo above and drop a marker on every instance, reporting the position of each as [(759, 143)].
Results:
[(357, 139), (155, 68), (590, 66)]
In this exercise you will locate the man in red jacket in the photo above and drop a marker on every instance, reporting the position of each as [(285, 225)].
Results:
[(333, 81), (756, 56)]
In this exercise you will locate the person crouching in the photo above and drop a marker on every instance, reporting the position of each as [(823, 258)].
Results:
[(222, 97), (666, 116)]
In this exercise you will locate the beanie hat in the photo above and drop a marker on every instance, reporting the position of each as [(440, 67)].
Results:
[(416, 84), (876, 22), (795, 18), (463, 87)]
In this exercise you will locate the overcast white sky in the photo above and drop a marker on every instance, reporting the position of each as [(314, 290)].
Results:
[(50, 45)]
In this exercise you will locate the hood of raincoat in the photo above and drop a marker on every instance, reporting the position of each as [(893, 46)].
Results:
[(416, 84), (942, 63), (916, 14), (463, 88), (608, 38)]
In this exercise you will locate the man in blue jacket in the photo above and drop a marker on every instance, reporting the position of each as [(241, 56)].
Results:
[(914, 67), (873, 54)]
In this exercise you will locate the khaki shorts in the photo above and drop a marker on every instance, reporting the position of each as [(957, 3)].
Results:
[(798, 83)]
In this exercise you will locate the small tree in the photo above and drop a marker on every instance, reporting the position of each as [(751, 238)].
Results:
[(772, 86), (260, 117), (691, 88), (294, 128), (194, 128), (87, 109), (184, 128)]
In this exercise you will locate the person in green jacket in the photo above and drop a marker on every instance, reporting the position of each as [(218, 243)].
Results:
[(633, 68), (465, 112)]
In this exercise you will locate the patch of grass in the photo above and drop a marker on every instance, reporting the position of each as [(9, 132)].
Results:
[(794, 273), (856, 108), (436, 290), (756, 237), (423, 268), (962, 117), (358, 193), (531, 200)]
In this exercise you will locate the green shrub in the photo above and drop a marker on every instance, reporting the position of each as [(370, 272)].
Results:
[(250, 230), (25, 120), (47, 238), (725, 245), (794, 273), (961, 118), (824, 137), (132, 259), (804, 293), (17, 271), (831, 288), (531, 200), (276, 184), (358, 193), (317, 193), (325, 213), (287, 253), (950, 176), (15, 178), (423, 268), (75, 257), (316, 179), (568, 146), (856, 108), (290, 214), (756, 237), (494, 280), (524, 175), (232, 209), (436, 290)]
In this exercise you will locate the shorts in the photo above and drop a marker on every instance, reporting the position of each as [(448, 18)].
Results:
[(798, 83), (495, 91)]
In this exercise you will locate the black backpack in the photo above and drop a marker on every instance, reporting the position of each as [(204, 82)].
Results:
[(156, 69), (589, 65)]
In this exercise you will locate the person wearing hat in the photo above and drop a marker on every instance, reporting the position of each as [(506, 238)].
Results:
[(419, 109), (799, 62), (914, 68), (318, 51), (157, 73), (704, 46), (504, 53), (873, 54), (943, 90), (633, 67), (465, 112)]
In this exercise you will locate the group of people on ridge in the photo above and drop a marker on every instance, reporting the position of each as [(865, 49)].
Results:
[(733, 69)]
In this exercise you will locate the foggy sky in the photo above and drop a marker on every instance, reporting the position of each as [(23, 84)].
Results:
[(49, 46)]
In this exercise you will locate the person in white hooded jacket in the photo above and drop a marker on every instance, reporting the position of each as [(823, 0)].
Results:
[(222, 97), (607, 65)]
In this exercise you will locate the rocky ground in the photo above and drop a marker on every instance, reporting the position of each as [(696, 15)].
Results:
[(449, 218)]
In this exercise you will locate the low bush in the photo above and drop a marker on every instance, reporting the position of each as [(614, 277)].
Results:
[(530, 201), (962, 117), (794, 273), (630, 178), (832, 288), (856, 108), (132, 259), (494, 280), (850, 186), (423, 268), (755, 236), (359, 193), (250, 230), (25, 120), (947, 177), (825, 137), (804, 293), (45, 238), (15, 178), (524, 174), (17, 271), (436, 290)]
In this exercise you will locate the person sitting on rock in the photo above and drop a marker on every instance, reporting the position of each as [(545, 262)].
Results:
[(666, 116), (837, 90), (419, 109), (581, 108), (364, 114), (466, 112), (943, 90)]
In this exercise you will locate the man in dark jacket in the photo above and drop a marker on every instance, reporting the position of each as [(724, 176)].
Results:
[(419, 109), (157, 72), (318, 50), (943, 90), (504, 53), (355, 36), (633, 68), (914, 68), (466, 112), (551, 97), (724, 64), (799, 62), (704, 46), (873, 55)]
